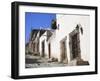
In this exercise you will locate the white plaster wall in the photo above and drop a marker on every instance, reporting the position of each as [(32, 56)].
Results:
[(43, 38), (55, 46), (67, 24)]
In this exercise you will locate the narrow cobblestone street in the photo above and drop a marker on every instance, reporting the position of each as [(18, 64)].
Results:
[(37, 61)]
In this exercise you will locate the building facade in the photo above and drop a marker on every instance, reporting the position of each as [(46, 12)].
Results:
[(68, 42)]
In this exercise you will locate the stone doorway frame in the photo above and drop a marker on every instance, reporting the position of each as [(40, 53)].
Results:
[(75, 31), (64, 58)]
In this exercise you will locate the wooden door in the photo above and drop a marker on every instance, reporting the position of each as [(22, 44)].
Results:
[(43, 49), (75, 46), (63, 51), (49, 50)]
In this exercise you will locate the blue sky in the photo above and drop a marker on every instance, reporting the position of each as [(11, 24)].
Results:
[(37, 21)]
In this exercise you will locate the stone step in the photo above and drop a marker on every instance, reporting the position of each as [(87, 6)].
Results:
[(73, 63)]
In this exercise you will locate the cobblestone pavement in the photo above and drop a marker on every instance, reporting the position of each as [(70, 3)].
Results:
[(37, 61)]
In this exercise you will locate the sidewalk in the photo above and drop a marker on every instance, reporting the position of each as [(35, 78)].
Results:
[(37, 61)]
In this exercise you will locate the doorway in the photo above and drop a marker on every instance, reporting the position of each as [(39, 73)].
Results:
[(49, 50), (43, 48), (74, 44), (63, 48)]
